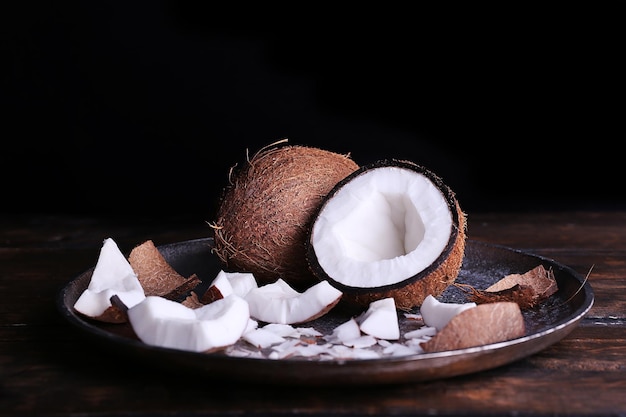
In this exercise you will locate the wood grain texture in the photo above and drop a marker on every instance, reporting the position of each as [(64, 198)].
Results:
[(47, 367)]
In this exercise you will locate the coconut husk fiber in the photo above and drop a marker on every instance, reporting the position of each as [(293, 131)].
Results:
[(265, 211)]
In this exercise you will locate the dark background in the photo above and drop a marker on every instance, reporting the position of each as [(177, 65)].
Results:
[(141, 108)]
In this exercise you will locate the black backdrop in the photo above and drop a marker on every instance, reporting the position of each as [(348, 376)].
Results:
[(141, 108)]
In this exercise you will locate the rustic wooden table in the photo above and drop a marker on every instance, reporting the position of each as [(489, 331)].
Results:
[(48, 367)]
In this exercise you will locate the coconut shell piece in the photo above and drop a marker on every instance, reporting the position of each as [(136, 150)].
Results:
[(540, 279), (211, 294), (113, 314), (527, 289), (192, 301), (523, 295), (156, 275), (478, 326), (266, 209), (117, 312)]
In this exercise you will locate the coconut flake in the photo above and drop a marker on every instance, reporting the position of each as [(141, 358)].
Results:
[(262, 338), (308, 332), (399, 349), (363, 341), (380, 319), (283, 330), (344, 332), (425, 331)]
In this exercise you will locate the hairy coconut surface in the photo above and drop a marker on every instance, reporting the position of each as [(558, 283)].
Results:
[(266, 210), (396, 230)]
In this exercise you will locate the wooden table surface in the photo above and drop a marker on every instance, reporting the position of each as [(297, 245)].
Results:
[(49, 367)]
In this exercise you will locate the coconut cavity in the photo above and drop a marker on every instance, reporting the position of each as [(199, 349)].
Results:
[(390, 229), (267, 208)]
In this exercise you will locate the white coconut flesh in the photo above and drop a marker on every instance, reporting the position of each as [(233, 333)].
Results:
[(240, 282), (158, 321), (437, 314), (380, 320), (279, 303), (382, 227), (112, 275)]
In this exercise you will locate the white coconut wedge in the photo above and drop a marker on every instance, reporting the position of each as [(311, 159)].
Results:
[(226, 283), (389, 229), (380, 320), (158, 321), (219, 288), (346, 331), (112, 275), (437, 314), (241, 282), (279, 303)]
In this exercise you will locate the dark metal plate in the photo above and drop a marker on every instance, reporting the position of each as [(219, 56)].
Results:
[(483, 265)]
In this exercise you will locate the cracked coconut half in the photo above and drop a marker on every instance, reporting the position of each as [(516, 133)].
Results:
[(389, 229)]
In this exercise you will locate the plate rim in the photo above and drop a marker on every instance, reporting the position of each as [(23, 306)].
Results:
[(338, 369)]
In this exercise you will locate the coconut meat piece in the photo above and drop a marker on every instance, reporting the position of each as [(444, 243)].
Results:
[(226, 283), (382, 227), (241, 282), (158, 321), (380, 320), (278, 302), (262, 338), (112, 275), (437, 314), (346, 331), (222, 284)]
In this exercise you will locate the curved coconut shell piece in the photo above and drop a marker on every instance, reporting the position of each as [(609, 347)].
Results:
[(478, 326), (156, 275), (265, 211), (433, 280), (113, 314)]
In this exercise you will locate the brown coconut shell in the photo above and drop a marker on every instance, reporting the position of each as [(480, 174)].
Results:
[(266, 209), (527, 289), (478, 326), (156, 275), (434, 280), (113, 314)]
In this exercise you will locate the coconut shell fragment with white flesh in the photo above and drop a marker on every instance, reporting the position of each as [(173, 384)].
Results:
[(266, 209), (112, 275), (478, 326), (389, 229)]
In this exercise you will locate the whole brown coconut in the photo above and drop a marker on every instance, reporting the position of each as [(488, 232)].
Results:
[(267, 207), (390, 229)]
